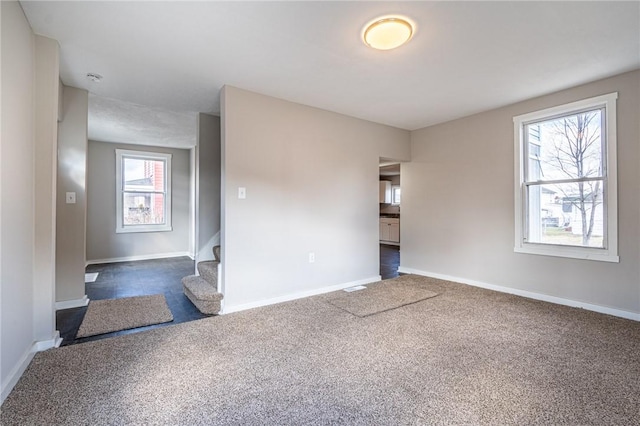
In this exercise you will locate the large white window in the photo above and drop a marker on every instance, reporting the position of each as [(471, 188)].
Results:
[(143, 191), (566, 195)]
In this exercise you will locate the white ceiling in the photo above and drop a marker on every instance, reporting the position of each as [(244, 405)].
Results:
[(112, 120), (465, 57)]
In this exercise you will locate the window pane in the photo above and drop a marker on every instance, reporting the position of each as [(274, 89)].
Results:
[(566, 214), (568, 147), (143, 208), (143, 191), (143, 175), (396, 195)]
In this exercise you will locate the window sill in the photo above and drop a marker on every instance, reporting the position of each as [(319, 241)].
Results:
[(143, 228), (600, 255)]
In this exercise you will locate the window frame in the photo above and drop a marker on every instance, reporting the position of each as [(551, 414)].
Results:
[(610, 199), (121, 155), (395, 188)]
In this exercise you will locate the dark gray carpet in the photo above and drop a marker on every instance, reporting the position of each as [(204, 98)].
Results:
[(105, 316), (382, 296), (468, 356)]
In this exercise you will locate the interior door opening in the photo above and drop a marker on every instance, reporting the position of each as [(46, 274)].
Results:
[(390, 197)]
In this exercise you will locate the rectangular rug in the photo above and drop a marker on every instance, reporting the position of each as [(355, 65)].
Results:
[(383, 296), (106, 316)]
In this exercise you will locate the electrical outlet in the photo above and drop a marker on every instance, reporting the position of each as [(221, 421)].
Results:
[(312, 257)]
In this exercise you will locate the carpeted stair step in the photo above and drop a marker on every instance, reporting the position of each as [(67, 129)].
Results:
[(209, 271), (202, 294)]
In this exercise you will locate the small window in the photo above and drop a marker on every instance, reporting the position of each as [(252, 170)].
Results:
[(143, 191), (566, 180), (395, 195)]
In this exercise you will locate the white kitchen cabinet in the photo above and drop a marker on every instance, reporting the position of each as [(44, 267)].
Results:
[(385, 192), (394, 232), (389, 230), (384, 230)]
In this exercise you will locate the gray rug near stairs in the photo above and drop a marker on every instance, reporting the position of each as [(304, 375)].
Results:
[(106, 316)]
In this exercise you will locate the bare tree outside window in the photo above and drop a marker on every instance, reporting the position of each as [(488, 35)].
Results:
[(566, 158), (566, 181), (576, 153)]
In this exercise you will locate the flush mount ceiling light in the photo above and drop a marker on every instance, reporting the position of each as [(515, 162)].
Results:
[(96, 78), (387, 33)]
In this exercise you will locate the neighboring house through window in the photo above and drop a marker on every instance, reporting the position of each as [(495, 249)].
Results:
[(143, 191), (566, 195)]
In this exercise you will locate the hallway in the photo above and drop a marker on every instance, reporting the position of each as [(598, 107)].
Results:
[(389, 261)]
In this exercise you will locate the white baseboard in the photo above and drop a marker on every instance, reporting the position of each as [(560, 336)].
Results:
[(529, 294), (141, 257), (10, 381), (76, 303), (43, 345), (294, 296)]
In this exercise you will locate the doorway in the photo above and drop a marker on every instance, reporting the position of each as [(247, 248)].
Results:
[(390, 198)]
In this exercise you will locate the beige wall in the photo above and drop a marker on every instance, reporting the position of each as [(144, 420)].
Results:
[(458, 205), (102, 241), (47, 86), (16, 186), (29, 76), (311, 179), (71, 218), (208, 186)]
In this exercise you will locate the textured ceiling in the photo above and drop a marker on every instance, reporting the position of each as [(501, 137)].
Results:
[(111, 120), (465, 57)]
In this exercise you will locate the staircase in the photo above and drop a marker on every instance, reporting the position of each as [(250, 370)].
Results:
[(202, 290)]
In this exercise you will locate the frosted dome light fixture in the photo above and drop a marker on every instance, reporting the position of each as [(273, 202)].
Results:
[(387, 33)]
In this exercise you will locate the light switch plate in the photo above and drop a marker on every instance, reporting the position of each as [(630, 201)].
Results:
[(71, 197), (242, 193)]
